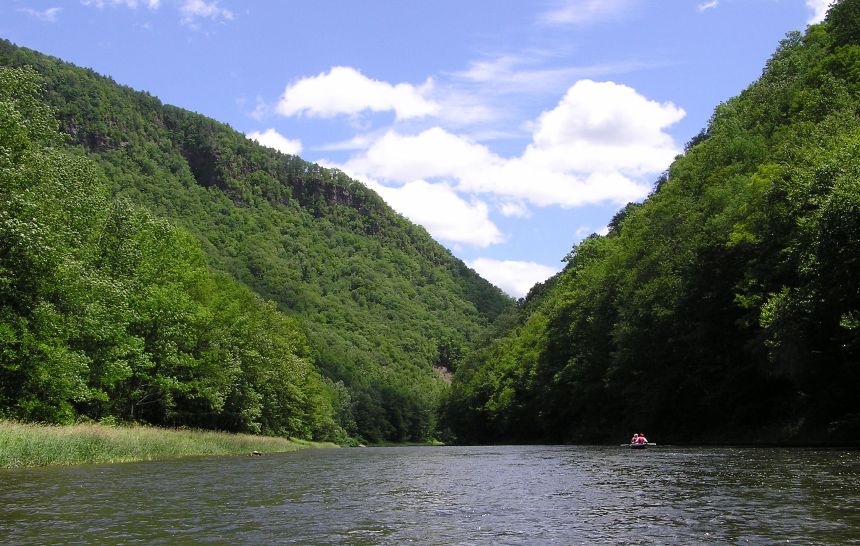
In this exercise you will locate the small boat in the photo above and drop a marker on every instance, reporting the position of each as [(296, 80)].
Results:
[(639, 446)]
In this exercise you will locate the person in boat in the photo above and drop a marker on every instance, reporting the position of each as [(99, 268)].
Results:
[(642, 440), (635, 439)]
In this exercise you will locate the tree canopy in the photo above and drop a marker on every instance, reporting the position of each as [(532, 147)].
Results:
[(726, 307)]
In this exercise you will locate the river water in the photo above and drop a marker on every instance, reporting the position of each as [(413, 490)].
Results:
[(446, 495)]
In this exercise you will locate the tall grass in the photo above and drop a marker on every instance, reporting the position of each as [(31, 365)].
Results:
[(25, 444)]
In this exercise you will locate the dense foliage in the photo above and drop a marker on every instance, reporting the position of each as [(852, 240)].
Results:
[(726, 307), (135, 257), (109, 312)]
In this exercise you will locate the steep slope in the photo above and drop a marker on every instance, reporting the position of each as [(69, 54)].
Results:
[(109, 313), (726, 307), (380, 300)]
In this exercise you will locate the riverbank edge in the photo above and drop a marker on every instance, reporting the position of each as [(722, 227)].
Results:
[(432, 443), (32, 445)]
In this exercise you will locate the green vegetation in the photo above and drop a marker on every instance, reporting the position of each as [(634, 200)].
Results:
[(23, 445), (109, 312), (158, 267), (723, 308)]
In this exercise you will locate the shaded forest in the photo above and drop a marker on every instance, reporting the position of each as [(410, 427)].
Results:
[(724, 308)]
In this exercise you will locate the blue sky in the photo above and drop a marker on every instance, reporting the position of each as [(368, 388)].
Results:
[(509, 129)]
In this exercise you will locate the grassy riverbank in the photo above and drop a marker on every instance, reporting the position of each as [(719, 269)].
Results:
[(24, 444)]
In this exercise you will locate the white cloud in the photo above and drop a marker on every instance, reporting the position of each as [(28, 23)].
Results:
[(522, 179), (192, 10), (261, 109), (484, 135), (345, 90), (358, 142), (819, 9), (515, 210), (491, 70), (442, 212), (487, 97), (131, 4), (48, 15), (599, 144), (508, 74), (274, 139), (605, 127), (592, 147), (578, 12), (434, 153), (459, 108), (707, 5), (514, 277)]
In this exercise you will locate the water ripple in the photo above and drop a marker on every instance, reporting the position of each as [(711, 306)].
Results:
[(446, 495)]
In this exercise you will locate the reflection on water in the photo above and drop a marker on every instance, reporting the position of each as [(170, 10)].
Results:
[(446, 495)]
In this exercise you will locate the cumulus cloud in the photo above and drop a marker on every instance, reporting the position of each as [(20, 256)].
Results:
[(578, 12), (193, 10), (273, 139), (514, 277), (48, 15), (819, 9), (597, 145), (442, 212), (592, 147), (433, 153), (345, 90), (605, 127)]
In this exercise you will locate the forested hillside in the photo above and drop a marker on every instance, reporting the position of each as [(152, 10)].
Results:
[(191, 269), (726, 307)]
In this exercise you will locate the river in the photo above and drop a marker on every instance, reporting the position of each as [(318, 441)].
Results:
[(446, 495)]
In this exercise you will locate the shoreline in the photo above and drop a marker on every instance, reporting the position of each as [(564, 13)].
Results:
[(24, 445)]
